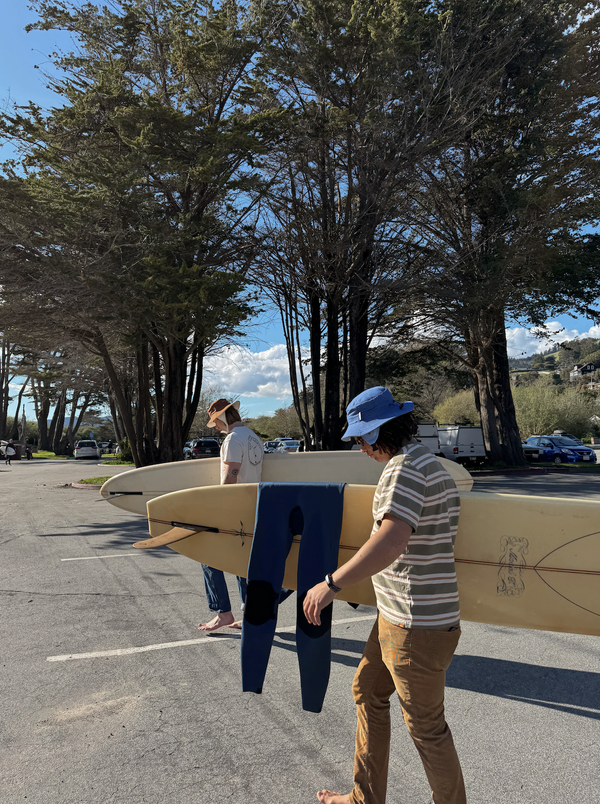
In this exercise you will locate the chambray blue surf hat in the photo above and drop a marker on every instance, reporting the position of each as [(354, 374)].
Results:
[(369, 410)]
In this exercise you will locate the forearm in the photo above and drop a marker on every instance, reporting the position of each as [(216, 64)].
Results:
[(381, 550)]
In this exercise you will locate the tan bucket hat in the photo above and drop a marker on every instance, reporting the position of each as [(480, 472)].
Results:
[(219, 407)]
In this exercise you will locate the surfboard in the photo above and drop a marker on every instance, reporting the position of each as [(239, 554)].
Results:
[(131, 490), (521, 561)]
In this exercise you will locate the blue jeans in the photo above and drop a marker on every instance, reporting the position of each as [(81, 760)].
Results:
[(216, 590), (217, 593)]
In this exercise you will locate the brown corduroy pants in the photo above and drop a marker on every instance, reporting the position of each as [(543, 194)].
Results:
[(413, 662)]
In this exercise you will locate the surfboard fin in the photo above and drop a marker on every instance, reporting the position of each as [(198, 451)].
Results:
[(173, 535)]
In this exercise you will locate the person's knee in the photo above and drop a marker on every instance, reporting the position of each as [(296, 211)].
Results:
[(359, 693), (366, 694), (429, 726)]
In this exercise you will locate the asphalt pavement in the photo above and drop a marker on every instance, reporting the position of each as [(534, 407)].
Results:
[(110, 694), (551, 485)]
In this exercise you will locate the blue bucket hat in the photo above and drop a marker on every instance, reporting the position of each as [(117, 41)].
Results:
[(369, 410)]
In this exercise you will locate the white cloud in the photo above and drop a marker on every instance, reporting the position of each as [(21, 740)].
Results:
[(239, 371), (523, 342), (265, 374)]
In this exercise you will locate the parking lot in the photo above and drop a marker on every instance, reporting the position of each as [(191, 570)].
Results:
[(110, 694)]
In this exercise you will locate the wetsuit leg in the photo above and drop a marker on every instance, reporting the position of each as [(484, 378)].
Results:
[(318, 556)]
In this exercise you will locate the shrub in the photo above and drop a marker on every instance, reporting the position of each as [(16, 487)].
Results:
[(541, 409), (459, 409), (125, 454)]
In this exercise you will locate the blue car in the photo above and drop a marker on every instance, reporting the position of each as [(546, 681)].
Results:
[(557, 449)]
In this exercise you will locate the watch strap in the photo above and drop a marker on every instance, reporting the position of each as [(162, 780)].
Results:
[(331, 585)]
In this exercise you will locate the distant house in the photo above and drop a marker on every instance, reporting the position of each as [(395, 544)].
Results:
[(582, 370)]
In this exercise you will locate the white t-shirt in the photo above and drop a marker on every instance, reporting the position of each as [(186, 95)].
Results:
[(243, 446)]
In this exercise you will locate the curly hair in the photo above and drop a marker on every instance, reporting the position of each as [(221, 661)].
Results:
[(394, 433)]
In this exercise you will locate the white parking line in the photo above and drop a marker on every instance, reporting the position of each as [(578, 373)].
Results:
[(164, 645), (112, 555)]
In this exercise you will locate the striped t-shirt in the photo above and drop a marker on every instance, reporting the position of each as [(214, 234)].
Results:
[(419, 590)]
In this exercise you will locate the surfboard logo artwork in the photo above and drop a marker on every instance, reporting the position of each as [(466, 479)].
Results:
[(512, 563)]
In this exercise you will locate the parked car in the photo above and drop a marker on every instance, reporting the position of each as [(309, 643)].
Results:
[(87, 449), (561, 433), (462, 443), (559, 449), (288, 445), (203, 448), (269, 446), (429, 437), (530, 451)]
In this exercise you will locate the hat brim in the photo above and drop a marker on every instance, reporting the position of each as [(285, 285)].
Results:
[(361, 428), (211, 422)]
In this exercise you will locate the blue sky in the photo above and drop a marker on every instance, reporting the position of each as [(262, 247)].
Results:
[(256, 368)]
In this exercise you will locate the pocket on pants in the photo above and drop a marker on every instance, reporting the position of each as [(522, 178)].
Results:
[(441, 646)]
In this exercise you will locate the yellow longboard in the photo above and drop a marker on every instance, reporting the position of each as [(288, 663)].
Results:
[(132, 490), (525, 562)]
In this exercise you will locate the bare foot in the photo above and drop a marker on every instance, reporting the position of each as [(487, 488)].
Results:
[(222, 620), (330, 797), (237, 625)]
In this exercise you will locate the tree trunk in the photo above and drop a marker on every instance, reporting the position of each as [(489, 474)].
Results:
[(488, 357), (358, 328), (75, 419), (171, 433), (332, 434), (315, 365), (15, 427), (143, 418), (42, 413), (194, 389), (121, 402), (5, 356), (58, 422), (114, 413)]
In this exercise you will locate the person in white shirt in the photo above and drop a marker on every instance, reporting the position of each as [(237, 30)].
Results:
[(241, 462)]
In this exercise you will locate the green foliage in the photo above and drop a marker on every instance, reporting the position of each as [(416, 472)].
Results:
[(125, 454), (134, 207), (283, 424), (541, 409), (458, 409)]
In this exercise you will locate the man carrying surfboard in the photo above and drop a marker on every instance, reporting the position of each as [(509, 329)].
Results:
[(241, 462), (410, 557)]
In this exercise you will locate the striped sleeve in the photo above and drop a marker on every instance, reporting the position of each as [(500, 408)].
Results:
[(401, 492)]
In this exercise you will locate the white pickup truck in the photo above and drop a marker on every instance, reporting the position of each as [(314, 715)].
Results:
[(427, 434), (462, 443)]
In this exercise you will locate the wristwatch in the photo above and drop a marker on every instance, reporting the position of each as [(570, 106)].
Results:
[(331, 585)]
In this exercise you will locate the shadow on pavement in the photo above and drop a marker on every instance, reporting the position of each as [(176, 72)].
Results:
[(122, 534), (575, 692)]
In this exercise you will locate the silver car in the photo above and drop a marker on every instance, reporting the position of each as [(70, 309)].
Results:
[(86, 449), (288, 446)]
